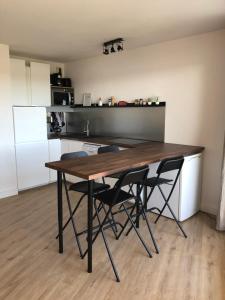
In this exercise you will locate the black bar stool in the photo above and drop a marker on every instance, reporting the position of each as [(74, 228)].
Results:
[(107, 149), (116, 196), (113, 149), (80, 187), (166, 165)]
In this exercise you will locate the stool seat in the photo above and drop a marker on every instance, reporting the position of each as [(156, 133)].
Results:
[(153, 181), (82, 187), (107, 197)]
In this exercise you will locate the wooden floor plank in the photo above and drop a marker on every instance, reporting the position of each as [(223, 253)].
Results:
[(31, 268)]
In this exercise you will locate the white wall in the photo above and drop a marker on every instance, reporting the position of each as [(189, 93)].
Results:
[(189, 74), (8, 182)]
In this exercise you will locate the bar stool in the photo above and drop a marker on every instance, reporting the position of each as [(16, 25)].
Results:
[(166, 165), (113, 149), (107, 149), (117, 197), (80, 187)]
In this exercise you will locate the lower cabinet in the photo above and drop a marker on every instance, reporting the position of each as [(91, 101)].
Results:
[(91, 149), (71, 146), (31, 159), (54, 148), (185, 199)]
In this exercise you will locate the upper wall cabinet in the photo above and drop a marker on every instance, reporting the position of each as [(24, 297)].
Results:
[(30, 83), (40, 84), (18, 82)]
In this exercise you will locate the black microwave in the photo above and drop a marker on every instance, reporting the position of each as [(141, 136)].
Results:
[(61, 96)]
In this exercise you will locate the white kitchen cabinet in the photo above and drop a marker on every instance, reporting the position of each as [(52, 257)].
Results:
[(31, 144), (64, 146), (30, 85), (68, 146), (190, 186), (75, 146), (186, 195), (40, 84), (71, 146), (29, 124), (31, 159), (54, 148), (19, 93), (90, 148)]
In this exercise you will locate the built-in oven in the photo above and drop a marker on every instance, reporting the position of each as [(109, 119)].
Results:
[(62, 96)]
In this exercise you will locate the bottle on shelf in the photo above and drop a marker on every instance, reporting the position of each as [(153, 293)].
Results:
[(60, 73), (59, 79), (157, 101), (100, 101), (113, 101)]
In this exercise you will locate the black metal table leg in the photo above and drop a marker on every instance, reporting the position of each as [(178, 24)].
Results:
[(137, 206), (145, 197), (90, 223), (60, 210)]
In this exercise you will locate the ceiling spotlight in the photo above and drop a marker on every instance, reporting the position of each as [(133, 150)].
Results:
[(108, 47), (105, 51), (120, 47), (112, 49)]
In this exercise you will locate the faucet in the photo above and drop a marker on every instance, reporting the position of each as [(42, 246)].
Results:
[(86, 129)]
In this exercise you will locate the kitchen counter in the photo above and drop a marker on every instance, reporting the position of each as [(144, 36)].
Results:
[(101, 140), (98, 166), (122, 142), (93, 167)]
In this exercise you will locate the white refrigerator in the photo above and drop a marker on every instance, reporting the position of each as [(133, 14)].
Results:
[(31, 144)]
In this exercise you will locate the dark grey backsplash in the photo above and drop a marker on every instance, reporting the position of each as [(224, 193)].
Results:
[(131, 122)]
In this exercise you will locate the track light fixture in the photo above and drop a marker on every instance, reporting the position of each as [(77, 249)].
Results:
[(108, 47)]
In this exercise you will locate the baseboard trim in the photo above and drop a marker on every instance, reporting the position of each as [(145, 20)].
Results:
[(209, 209), (8, 193)]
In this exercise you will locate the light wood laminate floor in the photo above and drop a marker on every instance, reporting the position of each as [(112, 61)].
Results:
[(31, 268)]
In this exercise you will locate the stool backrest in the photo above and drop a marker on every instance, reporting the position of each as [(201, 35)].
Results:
[(133, 176), (170, 164), (111, 148), (130, 177), (167, 165), (71, 155)]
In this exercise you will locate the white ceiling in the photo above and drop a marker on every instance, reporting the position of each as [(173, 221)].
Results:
[(73, 29)]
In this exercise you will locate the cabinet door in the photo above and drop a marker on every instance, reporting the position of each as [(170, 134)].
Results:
[(30, 124), (40, 84), (74, 146), (19, 94), (156, 199), (64, 146), (68, 146), (90, 148), (31, 159), (54, 147), (190, 186)]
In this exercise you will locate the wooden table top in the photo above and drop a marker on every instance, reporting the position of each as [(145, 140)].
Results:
[(96, 166)]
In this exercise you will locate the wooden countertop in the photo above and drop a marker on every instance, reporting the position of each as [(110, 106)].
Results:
[(96, 166)]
